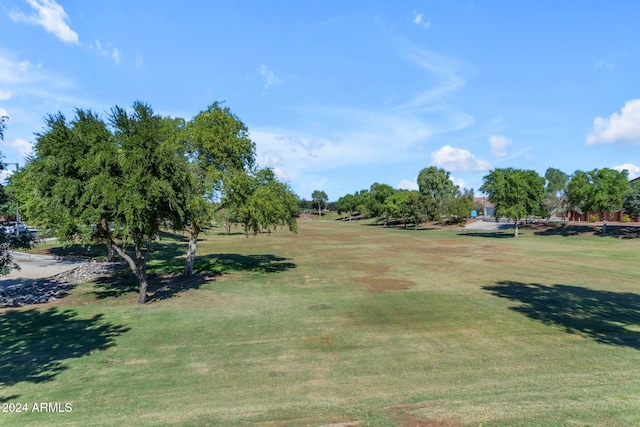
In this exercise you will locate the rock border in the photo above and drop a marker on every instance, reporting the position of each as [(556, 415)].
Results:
[(41, 291)]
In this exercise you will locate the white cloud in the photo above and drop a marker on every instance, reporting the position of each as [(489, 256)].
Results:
[(458, 160), (4, 174), (634, 171), (419, 20), (4, 112), (107, 51), (357, 137), (270, 78), (624, 126), (50, 16), (138, 60), (281, 175), (458, 181), (405, 184), (499, 145), (5, 94), (21, 146)]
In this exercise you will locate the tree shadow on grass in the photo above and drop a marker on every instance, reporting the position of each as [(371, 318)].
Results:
[(35, 343), (607, 317), (166, 282), (77, 250), (619, 231), (488, 234), (229, 263)]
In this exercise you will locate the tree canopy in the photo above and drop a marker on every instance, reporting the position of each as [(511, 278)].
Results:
[(599, 190), (435, 183), (218, 145), (120, 182), (516, 193), (319, 199), (631, 203)]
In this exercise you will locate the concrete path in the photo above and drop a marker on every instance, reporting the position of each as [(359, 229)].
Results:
[(33, 267)]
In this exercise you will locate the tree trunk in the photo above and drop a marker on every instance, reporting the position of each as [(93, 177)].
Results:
[(111, 254), (139, 269), (142, 272), (516, 232), (191, 251)]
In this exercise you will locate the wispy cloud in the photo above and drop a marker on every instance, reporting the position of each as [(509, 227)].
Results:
[(458, 160), (357, 136), (50, 16), (21, 77), (619, 127), (420, 21), (14, 72), (447, 72), (5, 94), (603, 65), (499, 145), (107, 51), (270, 78)]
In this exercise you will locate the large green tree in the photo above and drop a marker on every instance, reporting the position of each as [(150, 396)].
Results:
[(260, 202), (218, 145), (348, 204), (116, 186), (599, 190), (153, 177), (9, 243), (435, 183), (555, 198), (377, 195), (516, 193), (319, 199), (416, 208), (631, 203)]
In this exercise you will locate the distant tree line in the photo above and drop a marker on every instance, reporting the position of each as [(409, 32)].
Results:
[(437, 199), (516, 194), (119, 181)]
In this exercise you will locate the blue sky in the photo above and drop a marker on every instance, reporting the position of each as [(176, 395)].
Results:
[(339, 95)]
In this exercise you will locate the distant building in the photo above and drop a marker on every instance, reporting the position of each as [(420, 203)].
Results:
[(488, 208)]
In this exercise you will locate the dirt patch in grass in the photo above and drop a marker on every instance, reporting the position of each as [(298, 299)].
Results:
[(324, 421), (402, 418), (378, 286)]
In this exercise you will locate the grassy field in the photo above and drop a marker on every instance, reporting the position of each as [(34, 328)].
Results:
[(344, 324)]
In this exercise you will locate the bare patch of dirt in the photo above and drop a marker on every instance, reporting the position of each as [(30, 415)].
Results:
[(324, 421), (381, 285), (402, 418)]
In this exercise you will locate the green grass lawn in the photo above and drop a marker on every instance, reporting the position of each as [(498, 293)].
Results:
[(344, 324)]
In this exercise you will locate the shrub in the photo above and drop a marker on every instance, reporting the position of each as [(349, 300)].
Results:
[(594, 218)]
